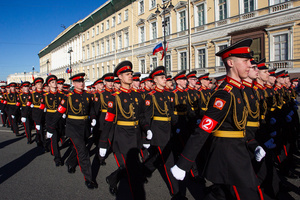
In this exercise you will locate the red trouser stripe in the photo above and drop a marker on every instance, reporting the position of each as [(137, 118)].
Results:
[(51, 146), (278, 159), (166, 170), (142, 153), (260, 193), (285, 151), (25, 130), (128, 176), (192, 173), (77, 158), (117, 160), (236, 193)]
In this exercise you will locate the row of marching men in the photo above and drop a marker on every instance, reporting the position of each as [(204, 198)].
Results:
[(233, 135)]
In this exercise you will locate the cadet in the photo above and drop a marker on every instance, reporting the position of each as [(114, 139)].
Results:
[(78, 106), (204, 93), (228, 165), (2, 106), (13, 105)]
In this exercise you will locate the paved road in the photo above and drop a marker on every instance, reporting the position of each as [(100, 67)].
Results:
[(26, 172)]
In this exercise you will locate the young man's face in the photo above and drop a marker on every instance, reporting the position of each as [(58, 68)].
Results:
[(181, 83), (60, 86), (136, 84), (52, 84), (25, 89), (192, 82), (109, 85), (126, 78), (160, 80), (169, 84), (12, 89), (240, 66), (263, 75), (149, 84), (205, 82), (117, 86), (38, 85), (272, 80), (79, 85), (280, 80), (253, 72), (295, 83)]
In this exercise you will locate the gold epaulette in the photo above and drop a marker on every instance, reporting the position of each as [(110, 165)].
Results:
[(228, 88)]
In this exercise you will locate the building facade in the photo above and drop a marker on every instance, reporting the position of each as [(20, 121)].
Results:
[(195, 30)]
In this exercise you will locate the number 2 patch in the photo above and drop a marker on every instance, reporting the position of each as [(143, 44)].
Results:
[(208, 124)]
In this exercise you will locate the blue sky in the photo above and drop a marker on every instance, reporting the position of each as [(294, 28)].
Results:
[(28, 26)]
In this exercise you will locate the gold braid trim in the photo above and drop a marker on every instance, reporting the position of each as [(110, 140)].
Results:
[(161, 111), (103, 104), (51, 107), (126, 115), (252, 113), (239, 124), (74, 110), (22, 102), (34, 101), (11, 101)]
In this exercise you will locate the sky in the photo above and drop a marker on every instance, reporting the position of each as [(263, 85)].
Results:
[(27, 26)]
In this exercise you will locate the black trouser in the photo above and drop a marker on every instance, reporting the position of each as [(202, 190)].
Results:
[(27, 128), (231, 192), (83, 157), (4, 117), (54, 146), (14, 123), (162, 158), (40, 135)]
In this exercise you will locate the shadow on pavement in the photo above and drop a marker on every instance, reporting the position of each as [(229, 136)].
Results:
[(18, 164), (9, 142)]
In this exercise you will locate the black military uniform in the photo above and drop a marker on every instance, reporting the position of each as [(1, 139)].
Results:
[(25, 100), (204, 95), (13, 106), (124, 117), (50, 101), (78, 106), (228, 165), (158, 115), (2, 106)]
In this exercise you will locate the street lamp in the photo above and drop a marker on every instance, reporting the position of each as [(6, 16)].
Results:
[(166, 5), (70, 51), (47, 67)]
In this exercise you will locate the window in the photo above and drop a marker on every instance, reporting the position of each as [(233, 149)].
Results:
[(182, 21), (113, 44), (88, 35), (107, 46), (200, 12), (222, 9), (93, 51), (153, 30), (97, 30), (93, 73), (281, 47), (141, 6), (119, 18), (88, 73), (143, 66), (125, 15), (98, 49), (120, 42), (108, 69), (87, 53), (154, 62), (113, 21), (168, 62), (183, 60), (126, 40), (102, 27), (142, 34), (248, 6), (201, 58), (168, 26), (93, 32), (152, 4), (221, 47), (107, 24), (102, 47), (280, 1), (98, 71)]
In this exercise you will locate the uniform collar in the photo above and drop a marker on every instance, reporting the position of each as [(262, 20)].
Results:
[(78, 92), (246, 83), (203, 87), (233, 82), (268, 86), (179, 89), (158, 90), (191, 88), (125, 90), (53, 92), (147, 89), (259, 85), (108, 90), (39, 91)]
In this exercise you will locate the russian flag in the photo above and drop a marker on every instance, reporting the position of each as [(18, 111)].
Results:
[(159, 47), (68, 70)]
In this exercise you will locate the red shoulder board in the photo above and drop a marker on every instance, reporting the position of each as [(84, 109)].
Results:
[(255, 87), (114, 94), (186, 89), (228, 88), (45, 94), (69, 94), (276, 88), (174, 91), (152, 92), (101, 91)]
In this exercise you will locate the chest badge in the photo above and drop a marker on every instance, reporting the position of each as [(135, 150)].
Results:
[(239, 100), (252, 97), (125, 100), (76, 100)]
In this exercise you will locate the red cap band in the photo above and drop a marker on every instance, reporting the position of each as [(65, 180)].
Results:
[(240, 50)]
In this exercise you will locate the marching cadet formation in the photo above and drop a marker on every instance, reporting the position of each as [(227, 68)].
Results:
[(240, 134)]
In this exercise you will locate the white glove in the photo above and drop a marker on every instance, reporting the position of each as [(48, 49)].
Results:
[(178, 173), (198, 121), (49, 135), (149, 135), (146, 146), (178, 130), (31, 105), (259, 153), (38, 127), (93, 122), (45, 109), (12, 116), (64, 116), (23, 119), (102, 152)]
